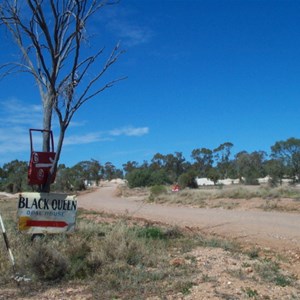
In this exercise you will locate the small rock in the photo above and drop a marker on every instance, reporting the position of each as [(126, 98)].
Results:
[(177, 262)]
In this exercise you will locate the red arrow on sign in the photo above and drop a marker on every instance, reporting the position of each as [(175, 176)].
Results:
[(40, 223)]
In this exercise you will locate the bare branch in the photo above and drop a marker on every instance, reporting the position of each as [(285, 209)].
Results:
[(50, 39), (112, 59), (83, 100)]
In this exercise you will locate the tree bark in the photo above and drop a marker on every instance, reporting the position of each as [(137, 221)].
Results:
[(53, 170), (50, 35), (47, 120)]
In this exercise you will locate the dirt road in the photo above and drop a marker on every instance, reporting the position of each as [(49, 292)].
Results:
[(216, 274), (276, 230)]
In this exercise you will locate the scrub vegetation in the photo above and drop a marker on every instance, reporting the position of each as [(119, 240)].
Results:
[(280, 166), (123, 258), (284, 198)]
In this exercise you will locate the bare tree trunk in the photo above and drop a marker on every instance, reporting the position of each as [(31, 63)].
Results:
[(48, 99), (50, 35), (47, 120), (53, 170)]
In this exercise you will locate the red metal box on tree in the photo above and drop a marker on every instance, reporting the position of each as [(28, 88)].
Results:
[(40, 162)]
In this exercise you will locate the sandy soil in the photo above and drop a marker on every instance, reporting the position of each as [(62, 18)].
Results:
[(220, 274), (277, 230)]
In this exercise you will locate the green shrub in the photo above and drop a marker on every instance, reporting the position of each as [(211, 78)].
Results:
[(121, 244), (156, 191), (79, 266), (184, 286), (151, 232), (46, 263), (236, 193), (79, 185), (253, 253), (227, 245), (139, 178), (159, 177), (250, 292), (146, 177), (188, 180), (269, 271)]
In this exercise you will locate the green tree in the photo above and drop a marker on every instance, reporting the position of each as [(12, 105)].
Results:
[(76, 176), (222, 159), (250, 166), (173, 164), (213, 175), (96, 171), (288, 153), (130, 166), (139, 178), (63, 179), (111, 172), (14, 176), (143, 177), (158, 162), (276, 170), (160, 177), (188, 179), (203, 161), (89, 170), (232, 171)]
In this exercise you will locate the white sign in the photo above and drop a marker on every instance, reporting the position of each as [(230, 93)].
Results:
[(46, 213)]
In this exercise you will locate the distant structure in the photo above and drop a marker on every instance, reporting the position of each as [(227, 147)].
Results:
[(205, 181)]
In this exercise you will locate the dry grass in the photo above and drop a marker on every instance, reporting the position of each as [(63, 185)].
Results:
[(117, 258), (230, 197)]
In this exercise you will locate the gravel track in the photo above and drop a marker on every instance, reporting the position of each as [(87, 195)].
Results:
[(276, 230)]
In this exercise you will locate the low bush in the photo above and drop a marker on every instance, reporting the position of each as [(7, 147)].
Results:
[(269, 271), (156, 191), (118, 259), (146, 177), (188, 179), (151, 232), (47, 263), (139, 178)]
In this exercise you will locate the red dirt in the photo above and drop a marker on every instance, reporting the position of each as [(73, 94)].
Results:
[(275, 231)]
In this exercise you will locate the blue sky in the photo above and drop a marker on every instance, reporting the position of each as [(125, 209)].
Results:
[(200, 73)]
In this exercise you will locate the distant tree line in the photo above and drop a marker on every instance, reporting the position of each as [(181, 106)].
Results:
[(283, 162), (13, 176), (215, 164)]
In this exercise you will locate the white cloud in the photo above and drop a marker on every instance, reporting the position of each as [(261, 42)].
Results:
[(77, 124), (93, 137), (17, 118), (130, 131), (85, 139), (15, 140), (16, 113), (123, 23), (130, 34)]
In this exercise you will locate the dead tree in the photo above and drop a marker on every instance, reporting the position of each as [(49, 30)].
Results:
[(50, 35)]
